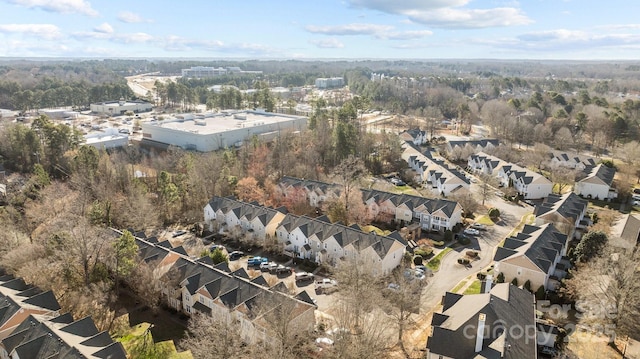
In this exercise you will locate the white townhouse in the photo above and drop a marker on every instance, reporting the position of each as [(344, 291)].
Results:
[(433, 214), (321, 241), (415, 136), (229, 213), (433, 173), (597, 183), (197, 286), (572, 160), (529, 184), (486, 144), (485, 164), (532, 255), (316, 192), (567, 212)]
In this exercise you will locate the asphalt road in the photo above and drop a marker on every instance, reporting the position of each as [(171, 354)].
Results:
[(451, 273)]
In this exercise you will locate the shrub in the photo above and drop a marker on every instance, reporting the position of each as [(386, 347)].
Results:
[(438, 243), (423, 252), (500, 278), (527, 285), (448, 235), (481, 275), (494, 213), (417, 260), (515, 281), (540, 293), (464, 240)]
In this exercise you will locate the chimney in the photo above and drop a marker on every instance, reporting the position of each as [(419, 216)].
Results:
[(488, 283), (480, 334)]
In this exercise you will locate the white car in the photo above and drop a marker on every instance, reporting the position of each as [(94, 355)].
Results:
[(472, 231)]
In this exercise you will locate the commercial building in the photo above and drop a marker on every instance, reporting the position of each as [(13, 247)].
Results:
[(213, 131), (207, 71), (324, 83), (110, 138), (115, 108)]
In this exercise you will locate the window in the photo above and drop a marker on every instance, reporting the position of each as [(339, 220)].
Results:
[(325, 246), (188, 309), (519, 271)]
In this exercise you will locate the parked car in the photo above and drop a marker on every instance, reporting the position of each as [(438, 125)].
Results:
[(636, 203), (256, 261), (326, 285), (548, 351), (235, 255), (304, 276), (393, 286), (216, 246), (479, 226), (268, 266), (281, 269), (471, 231), (426, 271), (636, 190)]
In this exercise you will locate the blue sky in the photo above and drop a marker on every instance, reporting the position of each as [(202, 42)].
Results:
[(310, 29)]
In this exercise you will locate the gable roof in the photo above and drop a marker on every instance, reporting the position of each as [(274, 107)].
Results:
[(625, 231), (568, 206), (505, 306), (475, 143), (600, 174), (540, 245)]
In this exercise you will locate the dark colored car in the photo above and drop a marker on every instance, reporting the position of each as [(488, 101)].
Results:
[(235, 255)]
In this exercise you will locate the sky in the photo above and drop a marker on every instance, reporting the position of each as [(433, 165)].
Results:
[(322, 29)]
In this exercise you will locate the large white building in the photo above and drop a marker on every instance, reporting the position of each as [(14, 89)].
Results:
[(120, 107), (323, 83), (213, 131), (207, 71), (107, 139)]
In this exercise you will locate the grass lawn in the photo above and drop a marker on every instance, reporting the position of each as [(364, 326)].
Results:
[(474, 288), (484, 219), (406, 189), (603, 204), (459, 286), (139, 341), (376, 229), (434, 263)]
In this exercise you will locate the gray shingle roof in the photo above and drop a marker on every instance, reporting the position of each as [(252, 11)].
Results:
[(540, 244), (568, 206), (505, 307)]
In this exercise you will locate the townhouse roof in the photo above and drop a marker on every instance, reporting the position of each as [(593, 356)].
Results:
[(625, 231), (525, 175), (482, 143), (310, 185), (429, 205), (599, 174), (436, 168), (38, 338), (249, 211), (568, 206), (505, 306), (573, 159), (488, 160), (343, 235), (231, 289), (540, 244)]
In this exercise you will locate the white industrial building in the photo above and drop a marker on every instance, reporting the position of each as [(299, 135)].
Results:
[(323, 83), (107, 139), (213, 131), (207, 71), (120, 107)]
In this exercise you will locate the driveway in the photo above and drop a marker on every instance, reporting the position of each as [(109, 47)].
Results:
[(451, 273)]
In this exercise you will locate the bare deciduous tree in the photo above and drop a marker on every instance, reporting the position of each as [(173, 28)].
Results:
[(215, 337)]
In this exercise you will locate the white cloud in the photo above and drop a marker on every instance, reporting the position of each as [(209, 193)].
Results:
[(349, 29), (385, 32), (405, 35), (104, 28), (470, 18), (59, 6), (44, 31), (130, 17), (401, 7), (449, 13), (328, 43)]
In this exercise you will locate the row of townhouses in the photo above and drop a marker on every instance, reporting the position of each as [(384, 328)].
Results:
[(571, 160), (433, 173), (316, 239), (594, 181), (436, 214), (500, 322), (32, 326), (196, 285), (529, 184), (483, 145)]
